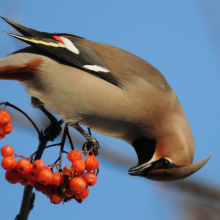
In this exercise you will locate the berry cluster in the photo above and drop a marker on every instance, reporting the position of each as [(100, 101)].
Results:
[(5, 124), (63, 185)]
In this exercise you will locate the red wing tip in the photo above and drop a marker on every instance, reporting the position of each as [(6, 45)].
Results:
[(58, 39)]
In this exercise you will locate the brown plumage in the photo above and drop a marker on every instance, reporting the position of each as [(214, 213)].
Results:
[(110, 91)]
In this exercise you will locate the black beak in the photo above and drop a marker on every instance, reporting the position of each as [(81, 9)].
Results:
[(140, 170), (145, 149)]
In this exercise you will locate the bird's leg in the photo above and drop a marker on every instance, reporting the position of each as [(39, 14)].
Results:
[(92, 142), (54, 129)]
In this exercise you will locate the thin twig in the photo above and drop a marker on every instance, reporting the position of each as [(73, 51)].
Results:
[(57, 160), (52, 145), (18, 109)]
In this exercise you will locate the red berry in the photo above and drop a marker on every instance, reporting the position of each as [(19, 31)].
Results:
[(4, 117), (78, 184), (34, 173), (68, 173), (7, 151), (2, 136), (28, 175), (8, 128), (56, 198), (14, 166), (23, 180), (74, 155), (91, 163), (83, 194), (32, 181), (7, 162), (24, 165), (47, 191), (39, 187), (90, 178), (78, 165), (39, 165), (70, 193), (2, 129), (11, 177), (45, 177), (57, 179)]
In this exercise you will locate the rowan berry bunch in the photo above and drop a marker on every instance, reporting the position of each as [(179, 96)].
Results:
[(71, 182), (63, 185), (5, 123)]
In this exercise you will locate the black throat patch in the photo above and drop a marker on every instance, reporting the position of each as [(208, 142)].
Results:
[(145, 149)]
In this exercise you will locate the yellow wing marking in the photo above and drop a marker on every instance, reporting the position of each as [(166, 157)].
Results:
[(35, 41)]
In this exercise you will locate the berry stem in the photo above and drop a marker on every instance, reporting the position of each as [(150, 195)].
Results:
[(30, 158), (51, 166), (16, 155), (87, 152), (52, 145), (57, 160)]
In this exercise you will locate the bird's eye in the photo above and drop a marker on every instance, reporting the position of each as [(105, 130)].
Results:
[(165, 163)]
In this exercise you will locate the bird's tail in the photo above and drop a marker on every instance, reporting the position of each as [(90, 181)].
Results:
[(42, 40), (28, 32)]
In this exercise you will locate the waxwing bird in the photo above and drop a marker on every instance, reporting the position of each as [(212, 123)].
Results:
[(111, 91)]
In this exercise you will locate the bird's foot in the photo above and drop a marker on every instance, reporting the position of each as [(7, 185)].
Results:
[(91, 141), (88, 145)]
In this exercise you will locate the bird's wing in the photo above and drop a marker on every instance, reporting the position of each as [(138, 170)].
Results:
[(67, 47), (109, 63)]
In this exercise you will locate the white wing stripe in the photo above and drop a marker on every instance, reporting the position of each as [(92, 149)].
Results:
[(69, 45), (96, 68)]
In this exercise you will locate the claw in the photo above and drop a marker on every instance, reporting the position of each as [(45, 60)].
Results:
[(87, 146), (91, 141)]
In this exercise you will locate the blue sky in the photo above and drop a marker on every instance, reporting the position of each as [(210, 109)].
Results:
[(180, 39)]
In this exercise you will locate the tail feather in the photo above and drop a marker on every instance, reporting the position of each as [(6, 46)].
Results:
[(34, 33), (42, 40), (34, 41), (28, 31)]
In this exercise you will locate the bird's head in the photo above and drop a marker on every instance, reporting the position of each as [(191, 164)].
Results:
[(159, 161)]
